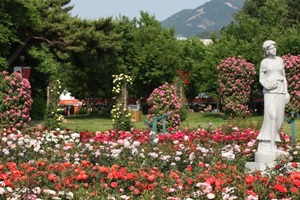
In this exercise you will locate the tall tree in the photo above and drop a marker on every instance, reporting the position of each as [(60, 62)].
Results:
[(149, 54), (92, 46), (192, 54), (17, 20)]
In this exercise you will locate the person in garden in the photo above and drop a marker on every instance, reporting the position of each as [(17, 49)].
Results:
[(272, 78)]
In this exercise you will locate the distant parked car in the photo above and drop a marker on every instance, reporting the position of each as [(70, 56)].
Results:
[(198, 107)]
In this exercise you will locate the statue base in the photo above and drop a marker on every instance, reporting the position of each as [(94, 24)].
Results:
[(259, 166), (264, 160)]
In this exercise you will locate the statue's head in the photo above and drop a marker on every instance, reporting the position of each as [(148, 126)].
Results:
[(267, 44)]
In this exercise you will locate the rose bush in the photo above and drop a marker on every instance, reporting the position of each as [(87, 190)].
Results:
[(292, 71), (15, 101), (164, 100), (183, 164), (235, 76)]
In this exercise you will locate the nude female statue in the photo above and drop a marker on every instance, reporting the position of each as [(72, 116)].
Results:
[(272, 78)]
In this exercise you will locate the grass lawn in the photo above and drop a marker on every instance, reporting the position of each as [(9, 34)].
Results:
[(194, 120)]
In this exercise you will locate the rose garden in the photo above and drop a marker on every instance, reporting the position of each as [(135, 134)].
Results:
[(46, 162)]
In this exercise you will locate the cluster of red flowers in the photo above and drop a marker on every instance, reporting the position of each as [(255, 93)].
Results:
[(184, 76)]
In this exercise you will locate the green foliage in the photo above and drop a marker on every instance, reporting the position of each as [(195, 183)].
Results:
[(82, 111), (38, 108), (92, 46), (17, 20), (15, 101), (149, 54), (53, 117), (192, 53), (183, 113)]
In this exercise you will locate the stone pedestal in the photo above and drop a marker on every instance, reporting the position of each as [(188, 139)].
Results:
[(264, 160), (259, 166)]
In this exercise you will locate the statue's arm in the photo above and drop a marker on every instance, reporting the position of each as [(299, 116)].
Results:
[(266, 81)]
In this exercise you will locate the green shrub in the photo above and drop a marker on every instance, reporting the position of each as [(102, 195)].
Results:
[(183, 112), (38, 108), (82, 111)]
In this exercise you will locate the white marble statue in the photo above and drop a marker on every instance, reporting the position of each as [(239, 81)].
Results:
[(272, 78)]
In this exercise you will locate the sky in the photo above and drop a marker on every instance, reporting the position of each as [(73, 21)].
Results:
[(161, 9)]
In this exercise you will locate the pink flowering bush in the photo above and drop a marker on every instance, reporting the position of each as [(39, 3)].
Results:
[(292, 71), (164, 100), (235, 76), (15, 101)]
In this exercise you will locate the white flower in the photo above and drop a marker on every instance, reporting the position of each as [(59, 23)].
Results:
[(142, 155), (251, 143), (5, 151), (210, 196), (228, 155), (251, 197), (4, 139), (136, 143), (69, 195), (177, 158), (175, 142), (155, 140), (115, 153), (66, 148), (36, 147), (134, 151), (36, 190), (165, 158), (126, 144), (2, 190), (153, 154), (235, 128), (186, 138), (192, 156), (124, 197)]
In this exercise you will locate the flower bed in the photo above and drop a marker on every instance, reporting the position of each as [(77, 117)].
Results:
[(198, 164)]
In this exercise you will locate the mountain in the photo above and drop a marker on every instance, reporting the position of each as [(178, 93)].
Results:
[(211, 16)]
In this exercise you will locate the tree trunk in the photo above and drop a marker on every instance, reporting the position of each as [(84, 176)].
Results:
[(18, 50)]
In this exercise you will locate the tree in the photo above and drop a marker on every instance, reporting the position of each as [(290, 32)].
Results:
[(149, 54), (192, 53), (92, 47), (17, 20)]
